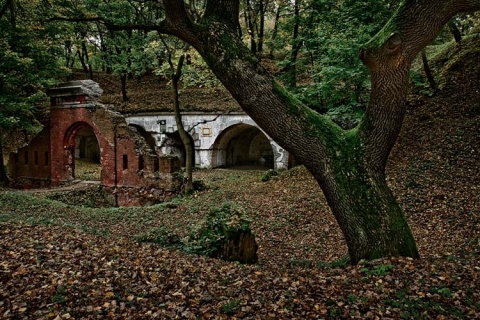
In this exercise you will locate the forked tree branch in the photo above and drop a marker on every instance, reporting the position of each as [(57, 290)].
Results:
[(389, 56)]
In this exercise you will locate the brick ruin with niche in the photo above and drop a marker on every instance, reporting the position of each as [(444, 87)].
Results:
[(132, 172)]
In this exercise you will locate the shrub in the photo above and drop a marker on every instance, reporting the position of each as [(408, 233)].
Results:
[(226, 234), (270, 173)]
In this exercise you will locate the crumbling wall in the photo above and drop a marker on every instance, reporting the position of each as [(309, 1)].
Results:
[(131, 171), (29, 167)]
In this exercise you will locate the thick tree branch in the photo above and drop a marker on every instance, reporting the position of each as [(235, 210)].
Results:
[(286, 120), (389, 56)]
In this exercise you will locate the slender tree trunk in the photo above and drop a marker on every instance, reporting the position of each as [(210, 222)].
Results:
[(261, 29), (123, 81), (457, 35), (103, 49), (428, 72), (275, 30), (251, 27), (5, 7), (176, 75), (3, 174), (291, 68), (86, 63), (68, 56), (82, 61)]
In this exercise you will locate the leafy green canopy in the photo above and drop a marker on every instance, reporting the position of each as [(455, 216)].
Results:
[(29, 63), (332, 33)]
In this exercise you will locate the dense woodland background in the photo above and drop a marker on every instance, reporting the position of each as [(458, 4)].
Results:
[(66, 255)]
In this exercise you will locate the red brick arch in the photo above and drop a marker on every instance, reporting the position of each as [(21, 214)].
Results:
[(65, 124), (131, 171), (69, 143)]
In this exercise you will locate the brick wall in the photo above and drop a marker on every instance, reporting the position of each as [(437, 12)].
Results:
[(29, 167), (131, 170)]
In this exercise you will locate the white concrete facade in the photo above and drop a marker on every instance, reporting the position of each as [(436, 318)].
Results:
[(213, 135)]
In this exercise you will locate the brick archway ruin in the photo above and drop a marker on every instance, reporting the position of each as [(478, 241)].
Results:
[(68, 172), (131, 171)]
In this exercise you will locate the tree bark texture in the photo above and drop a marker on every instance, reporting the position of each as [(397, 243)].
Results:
[(3, 174), (291, 67), (348, 165), (184, 136), (123, 81)]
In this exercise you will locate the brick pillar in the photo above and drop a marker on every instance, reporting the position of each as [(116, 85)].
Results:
[(70, 103)]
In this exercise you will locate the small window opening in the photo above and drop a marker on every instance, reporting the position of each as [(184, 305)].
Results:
[(15, 158), (35, 156), (125, 162), (46, 158), (163, 125), (26, 157)]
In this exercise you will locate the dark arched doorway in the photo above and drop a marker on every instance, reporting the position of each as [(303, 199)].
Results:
[(242, 145), (82, 153), (173, 145)]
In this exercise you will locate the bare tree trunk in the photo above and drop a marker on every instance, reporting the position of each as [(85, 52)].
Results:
[(457, 35), (428, 72), (5, 7), (68, 56), (261, 29), (86, 63), (291, 68), (3, 174), (275, 30), (123, 81), (184, 136), (251, 27)]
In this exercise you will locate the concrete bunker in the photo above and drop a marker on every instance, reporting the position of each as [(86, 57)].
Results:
[(242, 145)]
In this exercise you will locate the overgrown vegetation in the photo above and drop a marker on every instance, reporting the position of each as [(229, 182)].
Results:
[(209, 236)]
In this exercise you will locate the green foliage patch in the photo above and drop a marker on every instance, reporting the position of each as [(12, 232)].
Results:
[(221, 224)]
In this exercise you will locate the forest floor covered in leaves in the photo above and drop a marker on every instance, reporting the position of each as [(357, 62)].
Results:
[(66, 255)]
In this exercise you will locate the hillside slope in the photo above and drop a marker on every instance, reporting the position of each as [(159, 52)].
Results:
[(435, 166)]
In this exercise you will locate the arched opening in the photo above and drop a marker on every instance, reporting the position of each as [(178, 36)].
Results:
[(242, 145), (82, 153), (146, 135), (173, 145)]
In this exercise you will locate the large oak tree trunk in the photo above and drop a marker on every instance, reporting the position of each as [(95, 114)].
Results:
[(368, 214), (348, 165)]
